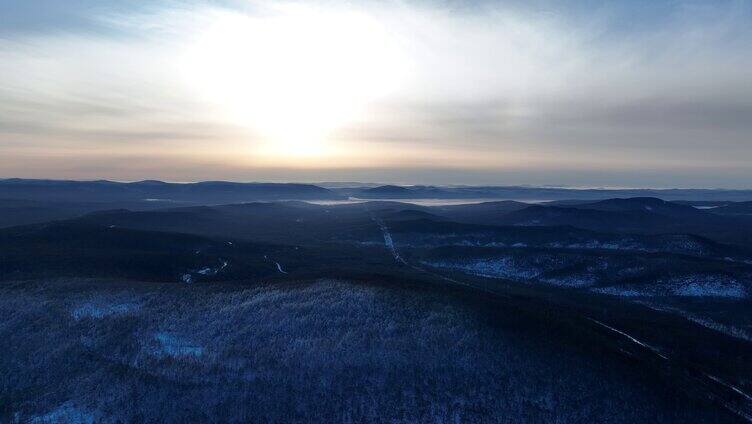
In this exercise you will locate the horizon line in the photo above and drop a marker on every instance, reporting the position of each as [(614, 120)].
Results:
[(400, 184)]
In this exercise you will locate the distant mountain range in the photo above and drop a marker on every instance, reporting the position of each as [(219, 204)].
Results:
[(537, 193), (33, 201), (205, 192), (217, 192)]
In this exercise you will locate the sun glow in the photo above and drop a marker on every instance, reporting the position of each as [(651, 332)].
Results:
[(294, 75)]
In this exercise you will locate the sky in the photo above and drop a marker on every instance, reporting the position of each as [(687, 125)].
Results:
[(568, 93)]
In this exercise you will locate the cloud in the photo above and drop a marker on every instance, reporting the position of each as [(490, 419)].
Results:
[(658, 86)]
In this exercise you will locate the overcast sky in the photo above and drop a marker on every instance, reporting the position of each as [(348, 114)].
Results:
[(583, 93)]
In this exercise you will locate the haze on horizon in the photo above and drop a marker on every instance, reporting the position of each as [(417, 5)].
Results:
[(631, 93)]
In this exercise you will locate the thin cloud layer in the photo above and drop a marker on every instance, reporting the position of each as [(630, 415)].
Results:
[(634, 93)]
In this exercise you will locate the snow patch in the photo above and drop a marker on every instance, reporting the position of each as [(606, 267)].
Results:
[(65, 413), (582, 280), (707, 286), (493, 268), (100, 310), (618, 291), (206, 271), (690, 286), (170, 344), (213, 270)]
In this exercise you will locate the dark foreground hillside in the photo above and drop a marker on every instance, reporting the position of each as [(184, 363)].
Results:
[(323, 351)]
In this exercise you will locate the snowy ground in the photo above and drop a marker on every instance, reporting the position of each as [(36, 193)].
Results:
[(691, 286), (329, 351)]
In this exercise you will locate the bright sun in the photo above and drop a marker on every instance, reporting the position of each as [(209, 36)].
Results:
[(293, 75)]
